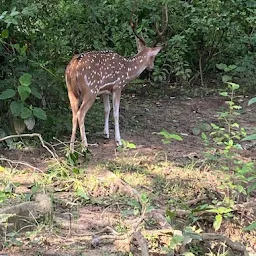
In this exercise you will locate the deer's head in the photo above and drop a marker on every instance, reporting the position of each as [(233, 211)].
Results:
[(150, 52)]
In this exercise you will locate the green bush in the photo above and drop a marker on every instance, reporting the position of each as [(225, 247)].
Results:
[(39, 38)]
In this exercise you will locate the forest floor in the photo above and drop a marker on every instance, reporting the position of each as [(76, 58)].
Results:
[(102, 197)]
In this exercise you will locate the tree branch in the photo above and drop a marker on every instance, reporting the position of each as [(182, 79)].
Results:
[(43, 143)]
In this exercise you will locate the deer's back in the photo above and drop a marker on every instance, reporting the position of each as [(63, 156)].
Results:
[(92, 71)]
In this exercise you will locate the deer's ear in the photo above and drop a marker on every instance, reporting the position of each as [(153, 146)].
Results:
[(155, 50), (140, 44)]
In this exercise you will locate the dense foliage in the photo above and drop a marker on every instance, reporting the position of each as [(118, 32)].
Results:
[(37, 39)]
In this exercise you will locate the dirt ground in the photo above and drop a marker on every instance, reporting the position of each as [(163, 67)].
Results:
[(141, 120)]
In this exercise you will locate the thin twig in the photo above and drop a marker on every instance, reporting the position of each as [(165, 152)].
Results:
[(20, 162)]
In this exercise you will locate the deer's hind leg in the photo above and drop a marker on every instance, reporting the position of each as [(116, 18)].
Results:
[(107, 108), (85, 106), (74, 103), (116, 104)]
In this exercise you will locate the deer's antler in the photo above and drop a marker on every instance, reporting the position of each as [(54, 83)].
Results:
[(133, 25), (164, 26)]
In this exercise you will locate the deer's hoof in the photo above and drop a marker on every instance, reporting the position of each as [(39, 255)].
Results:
[(119, 143)]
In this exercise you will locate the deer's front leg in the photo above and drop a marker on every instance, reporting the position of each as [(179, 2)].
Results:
[(116, 104), (106, 112)]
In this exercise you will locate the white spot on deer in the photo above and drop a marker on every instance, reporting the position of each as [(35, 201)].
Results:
[(86, 80)]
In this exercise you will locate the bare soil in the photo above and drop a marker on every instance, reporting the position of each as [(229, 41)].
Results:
[(142, 119)]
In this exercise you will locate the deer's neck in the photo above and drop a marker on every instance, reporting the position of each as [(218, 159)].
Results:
[(136, 65)]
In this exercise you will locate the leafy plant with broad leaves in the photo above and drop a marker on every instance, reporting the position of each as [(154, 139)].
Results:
[(20, 94), (200, 35), (229, 133), (252, 136), (19, 107)]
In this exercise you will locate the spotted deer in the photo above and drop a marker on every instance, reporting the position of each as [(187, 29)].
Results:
[(103, 73)]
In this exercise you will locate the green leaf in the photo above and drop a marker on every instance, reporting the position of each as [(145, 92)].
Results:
[(3, 15), (225, 94), (196, 131), (134, 203), (72, 158), (217, 222), (221, 66), (36, 93), (5, 33), (25, 79), (234, 86), (214, 126), (232, 67), (39, 113), (23, 50), (220, 210), (7, 94), (24, 92), (205, 127), (250, 137), (80, 192), (168, 135), (176, 240), (149, 208), (170, 214), (16, 47), (25, 113), (16, 107), (250, 227), (226, 78), (203, 136), (14, 12), (235, 125), (251, 101)]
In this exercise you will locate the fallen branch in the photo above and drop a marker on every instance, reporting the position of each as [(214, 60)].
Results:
[(43, 143), (195, 201), (142, 241), (204, 236), (217, 237)]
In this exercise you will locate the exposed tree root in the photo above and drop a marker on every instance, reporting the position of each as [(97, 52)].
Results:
[(25, 215)]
